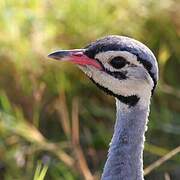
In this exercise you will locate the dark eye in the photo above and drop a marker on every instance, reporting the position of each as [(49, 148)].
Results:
[(118, 62)]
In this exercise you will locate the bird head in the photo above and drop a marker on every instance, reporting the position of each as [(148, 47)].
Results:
[(121, 66)]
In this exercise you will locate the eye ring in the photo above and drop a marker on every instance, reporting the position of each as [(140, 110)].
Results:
[(118, 62)]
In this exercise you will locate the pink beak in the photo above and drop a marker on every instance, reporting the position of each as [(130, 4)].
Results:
[(75, 56)]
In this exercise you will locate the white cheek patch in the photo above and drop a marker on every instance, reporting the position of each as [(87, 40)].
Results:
[(127, 87)]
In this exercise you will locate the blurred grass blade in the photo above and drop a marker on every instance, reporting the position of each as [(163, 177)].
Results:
[(4, 102), (40, 171), (62, 110), (76, 144), (162, 160)]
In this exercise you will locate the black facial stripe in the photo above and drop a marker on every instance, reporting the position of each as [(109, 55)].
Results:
[(100, 63), (129, 100), (117, 74), (155, 83), (147, 65)]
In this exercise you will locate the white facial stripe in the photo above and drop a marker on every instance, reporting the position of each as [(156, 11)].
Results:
[(105, 57)]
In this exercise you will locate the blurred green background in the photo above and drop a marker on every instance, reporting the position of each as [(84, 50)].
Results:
[(43, 103)]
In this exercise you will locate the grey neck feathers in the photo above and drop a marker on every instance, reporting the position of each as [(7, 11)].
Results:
[(125, 156)]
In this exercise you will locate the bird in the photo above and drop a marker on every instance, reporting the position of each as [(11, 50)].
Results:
[(126, 69)]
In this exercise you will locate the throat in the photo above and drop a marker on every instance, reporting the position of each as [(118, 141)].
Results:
[(125, 156), (128, 100)]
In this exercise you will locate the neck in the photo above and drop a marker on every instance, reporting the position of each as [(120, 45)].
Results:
[(125, 157)]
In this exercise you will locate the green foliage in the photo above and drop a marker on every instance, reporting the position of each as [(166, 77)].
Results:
[(37, 95), (40, 172)]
